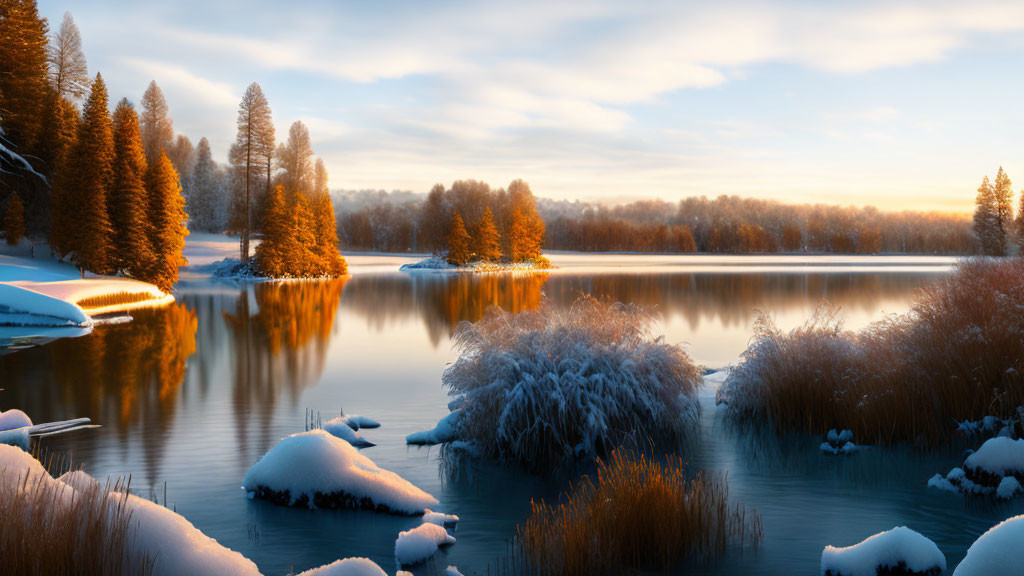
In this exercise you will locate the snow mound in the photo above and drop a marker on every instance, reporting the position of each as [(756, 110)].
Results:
[(420, 543), (452, 571), (1008, 488), (347, 567), (447, 430), (839, 443), (22, 306), (318, 469), (899, 548), (160, 534), (357, 422), (12, 419), (1000, 456), (431, 264), (340, 428), (439, 518), (997, 552)]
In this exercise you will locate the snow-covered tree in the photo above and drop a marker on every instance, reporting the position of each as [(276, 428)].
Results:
[(69, 73), (155, 125), (1003, 195), (987, 222), (295, 159), (250, 154), (204, 200)]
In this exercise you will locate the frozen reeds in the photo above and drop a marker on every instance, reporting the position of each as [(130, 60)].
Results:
[(638, 513), (958, 354), (545, 387)]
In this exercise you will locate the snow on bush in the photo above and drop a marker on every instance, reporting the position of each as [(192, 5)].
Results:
[(897, 551), (341, 428), (440, 518), (318, 469), (347, 567), (839, 442), (447, 430), (997, 552), (958, 354), (79, 526), (545, 387), (995, 468), (420, 543)]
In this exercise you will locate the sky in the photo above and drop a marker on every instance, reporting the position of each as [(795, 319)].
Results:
[(901, 105)]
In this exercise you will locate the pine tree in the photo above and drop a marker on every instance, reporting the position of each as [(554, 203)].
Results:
[(278, 245), (487, 243), (1003, 195), (128, 200), (524, 230), (458, 242), (167, 229), (320, 178), (69, 73), (295, 159), (255, 131), (90, 234), (986, 221), (434, 220), (22, 73), (14, 220), (155, 125), (203, 202), (515, 236), (325, 228)]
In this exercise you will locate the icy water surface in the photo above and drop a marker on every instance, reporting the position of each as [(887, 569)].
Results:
[(192, 395)]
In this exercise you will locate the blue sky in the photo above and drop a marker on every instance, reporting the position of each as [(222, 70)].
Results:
[(904, 105)]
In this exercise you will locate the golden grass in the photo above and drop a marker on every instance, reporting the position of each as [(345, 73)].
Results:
[(115, 299), (958, 354), (638, 514), (48, 528)]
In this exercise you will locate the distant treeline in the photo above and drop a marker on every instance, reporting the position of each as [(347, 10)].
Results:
[(399, 222)]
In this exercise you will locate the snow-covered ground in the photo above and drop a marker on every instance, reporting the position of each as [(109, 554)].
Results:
[(885, 552), (319, 469)]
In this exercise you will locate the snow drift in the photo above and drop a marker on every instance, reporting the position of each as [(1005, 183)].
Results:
[(347, 567), (420, 543), (318, 469), (997, 552), (885, 553), (21, 306), (546, 387)]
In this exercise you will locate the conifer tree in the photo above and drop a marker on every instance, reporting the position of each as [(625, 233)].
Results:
[(14, 220), (22, 72), (91, 176), (434, 221), (295, 159), (279, 244), (69, 73), (458, 242), (1003, 196), (320, 178), (167, 229), (325, 228), (248, 154), (487, 240), (986, 221), (203, 202), (524, 229), (129, 199), (155, 125)]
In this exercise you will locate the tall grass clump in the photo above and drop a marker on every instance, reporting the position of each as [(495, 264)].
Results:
[(957, 354), (50, 528), (638, 514), (115, 299), (546, 387)]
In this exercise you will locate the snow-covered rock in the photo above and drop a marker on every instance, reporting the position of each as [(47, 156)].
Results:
[(997, 457), (347, 567), (997, 552), (341, 428), (838, 443), (900, 547), (447, 430), (357, 422), (420, 543), (440, 518), (171, 541), (434, 263), (318, 469)]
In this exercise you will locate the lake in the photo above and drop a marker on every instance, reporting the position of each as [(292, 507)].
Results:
[(191, 395)]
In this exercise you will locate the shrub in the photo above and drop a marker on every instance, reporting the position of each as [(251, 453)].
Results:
[(638, 514), (544, 387), (956, 355)]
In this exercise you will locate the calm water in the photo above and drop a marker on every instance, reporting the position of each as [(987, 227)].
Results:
[(193, 394)]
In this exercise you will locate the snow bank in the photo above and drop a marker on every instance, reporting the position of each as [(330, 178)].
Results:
[(22, 306), (320, 470), (340, 428), (997, 552), (420, 543), (347, 567), (447, 430), (175, 544), (432, 264), (77, 291), (897, 548), (439, 518), (1000, 456)]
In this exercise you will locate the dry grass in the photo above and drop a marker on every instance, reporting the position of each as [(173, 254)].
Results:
[(547, 387), (638, 514), (116, 299), (958, 354), (49, 528)]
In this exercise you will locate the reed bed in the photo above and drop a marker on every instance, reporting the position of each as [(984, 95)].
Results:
[(50, 528), (115, 299), (638, 514), (550, 387), (957, 354)]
